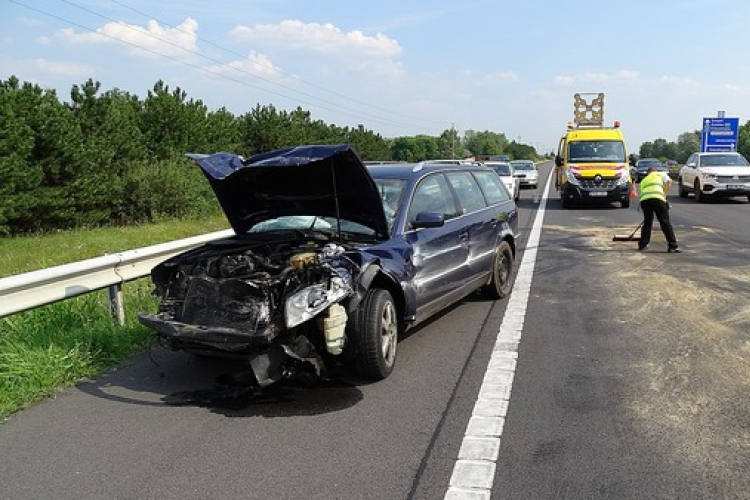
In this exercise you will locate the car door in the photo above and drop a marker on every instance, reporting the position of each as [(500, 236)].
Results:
[(480, 223), (689, 171), (439, 254)]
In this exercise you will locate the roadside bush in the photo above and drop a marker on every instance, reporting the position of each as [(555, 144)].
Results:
[(165, 189)]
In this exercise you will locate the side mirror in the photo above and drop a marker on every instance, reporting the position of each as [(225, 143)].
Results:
[(428, 219), (558, 161)]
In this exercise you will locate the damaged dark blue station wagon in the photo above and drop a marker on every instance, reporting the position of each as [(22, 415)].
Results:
[(332, 260)]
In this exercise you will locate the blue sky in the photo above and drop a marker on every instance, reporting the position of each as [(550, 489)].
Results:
[(404, 68)]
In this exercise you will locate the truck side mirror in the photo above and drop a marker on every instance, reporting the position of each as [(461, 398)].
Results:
[(558, 161)]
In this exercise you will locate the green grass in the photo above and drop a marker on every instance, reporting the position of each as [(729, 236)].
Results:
[(50, 347), (22, 254)]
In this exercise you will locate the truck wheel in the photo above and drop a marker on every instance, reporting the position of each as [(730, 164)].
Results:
[(625, 203), (564, 199), (501, 280), (376, 335)]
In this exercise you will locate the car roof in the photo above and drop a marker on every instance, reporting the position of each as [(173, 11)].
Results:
[(411, 171)]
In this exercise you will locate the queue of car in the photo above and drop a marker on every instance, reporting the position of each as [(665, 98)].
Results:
[(332, 260)]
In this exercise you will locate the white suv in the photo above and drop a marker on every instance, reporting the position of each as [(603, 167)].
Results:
[(714, 175)]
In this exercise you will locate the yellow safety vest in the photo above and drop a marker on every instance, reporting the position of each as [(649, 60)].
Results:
[(652, 186)]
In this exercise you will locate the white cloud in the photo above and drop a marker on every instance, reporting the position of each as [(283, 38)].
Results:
[(374, 53), (323, 38), (62, 68), (600, 78), (153, 39), (255, 63)]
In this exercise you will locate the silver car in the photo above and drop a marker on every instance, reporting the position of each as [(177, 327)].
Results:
[(507, 174), (709, 175), (526, 173)]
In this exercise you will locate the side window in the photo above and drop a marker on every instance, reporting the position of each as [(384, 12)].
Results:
[(433, 195), (492, 187), (470, 197)]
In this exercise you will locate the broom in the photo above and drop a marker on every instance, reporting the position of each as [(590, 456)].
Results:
[(630, 237)]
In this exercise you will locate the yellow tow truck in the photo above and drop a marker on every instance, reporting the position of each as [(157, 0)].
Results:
[(592, 162)]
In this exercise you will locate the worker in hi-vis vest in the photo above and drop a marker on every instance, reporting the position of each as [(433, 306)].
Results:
[(653, 199)]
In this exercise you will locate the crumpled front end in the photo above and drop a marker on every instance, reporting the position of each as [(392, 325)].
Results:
[(256, 301)]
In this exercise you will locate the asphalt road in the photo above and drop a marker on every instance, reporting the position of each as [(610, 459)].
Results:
[(632, 381)]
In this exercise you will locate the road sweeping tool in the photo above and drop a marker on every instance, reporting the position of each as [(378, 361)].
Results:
[(631, 237)]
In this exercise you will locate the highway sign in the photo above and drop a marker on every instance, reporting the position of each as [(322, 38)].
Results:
[(719, 134)]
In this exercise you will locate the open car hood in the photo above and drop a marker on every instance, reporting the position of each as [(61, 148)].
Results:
[(325, 181)]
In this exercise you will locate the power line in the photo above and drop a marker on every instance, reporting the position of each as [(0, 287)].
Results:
[(230, 51), (338, 108)]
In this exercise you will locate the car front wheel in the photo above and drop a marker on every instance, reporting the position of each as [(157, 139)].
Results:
[(681, 189), (698, 193), (376, 335), (501, 280)]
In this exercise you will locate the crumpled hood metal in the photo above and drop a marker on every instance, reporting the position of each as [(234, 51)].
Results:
[(303, 180)]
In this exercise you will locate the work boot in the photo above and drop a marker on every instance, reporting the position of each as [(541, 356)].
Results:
[(673, 250), (641, 248)]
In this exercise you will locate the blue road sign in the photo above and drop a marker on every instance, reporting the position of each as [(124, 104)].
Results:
[(719, 134)]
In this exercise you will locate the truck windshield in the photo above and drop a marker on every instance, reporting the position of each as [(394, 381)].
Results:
[(602, 151)]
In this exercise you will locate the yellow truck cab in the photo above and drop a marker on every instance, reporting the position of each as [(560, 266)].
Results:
[(592, 162)]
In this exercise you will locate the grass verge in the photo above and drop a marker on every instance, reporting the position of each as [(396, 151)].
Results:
[(54, 346)]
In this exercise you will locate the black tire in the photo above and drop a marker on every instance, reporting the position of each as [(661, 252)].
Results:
[(501, 281), (376, 335), (565, 200), (681, 189), (698, 193), (625, 203)]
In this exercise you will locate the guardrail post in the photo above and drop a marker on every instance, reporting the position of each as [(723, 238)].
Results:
[(116, 308)]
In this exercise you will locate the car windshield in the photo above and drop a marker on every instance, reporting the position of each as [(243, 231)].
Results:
[(645, 164), (502, 169), (727, 160), (603, 151), (523, 166), (309, 223), (391, 192)]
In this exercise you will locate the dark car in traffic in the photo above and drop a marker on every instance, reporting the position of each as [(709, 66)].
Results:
[(640, 170), (332, 260)]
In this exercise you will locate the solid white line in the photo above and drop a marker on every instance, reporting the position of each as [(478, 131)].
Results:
[(474, 471)]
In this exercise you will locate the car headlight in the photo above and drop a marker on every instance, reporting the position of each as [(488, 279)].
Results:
[(570, 175), (709, 177), (307, 303), (623, 180)]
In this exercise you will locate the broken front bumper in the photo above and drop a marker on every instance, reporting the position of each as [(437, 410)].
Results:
[(182, 335)]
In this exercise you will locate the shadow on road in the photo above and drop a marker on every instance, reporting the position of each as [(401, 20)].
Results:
[(163, 378)]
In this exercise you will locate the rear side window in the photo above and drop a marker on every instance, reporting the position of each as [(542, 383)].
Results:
[(433, 195), (492, 187), (469, 195)]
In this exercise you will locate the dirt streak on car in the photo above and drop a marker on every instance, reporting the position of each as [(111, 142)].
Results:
[(331, 261)]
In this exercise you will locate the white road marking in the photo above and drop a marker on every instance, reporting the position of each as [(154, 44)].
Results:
[(474, 471)]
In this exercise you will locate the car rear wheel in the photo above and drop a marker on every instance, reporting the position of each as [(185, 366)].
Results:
[(681, 189), (698, 193), (376, 335), (501, 280)]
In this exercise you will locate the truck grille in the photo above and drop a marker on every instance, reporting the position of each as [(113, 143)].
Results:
[(603, 184)]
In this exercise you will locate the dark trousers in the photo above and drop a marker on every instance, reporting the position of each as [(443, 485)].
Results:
[(661, 210)]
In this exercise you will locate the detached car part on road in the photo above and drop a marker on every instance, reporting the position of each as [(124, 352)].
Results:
[(331, 261)]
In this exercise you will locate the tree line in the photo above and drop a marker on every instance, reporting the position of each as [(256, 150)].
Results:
[(687, 144), (110, 157)]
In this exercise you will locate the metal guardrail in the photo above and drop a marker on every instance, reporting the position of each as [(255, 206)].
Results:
[(37, 288)]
